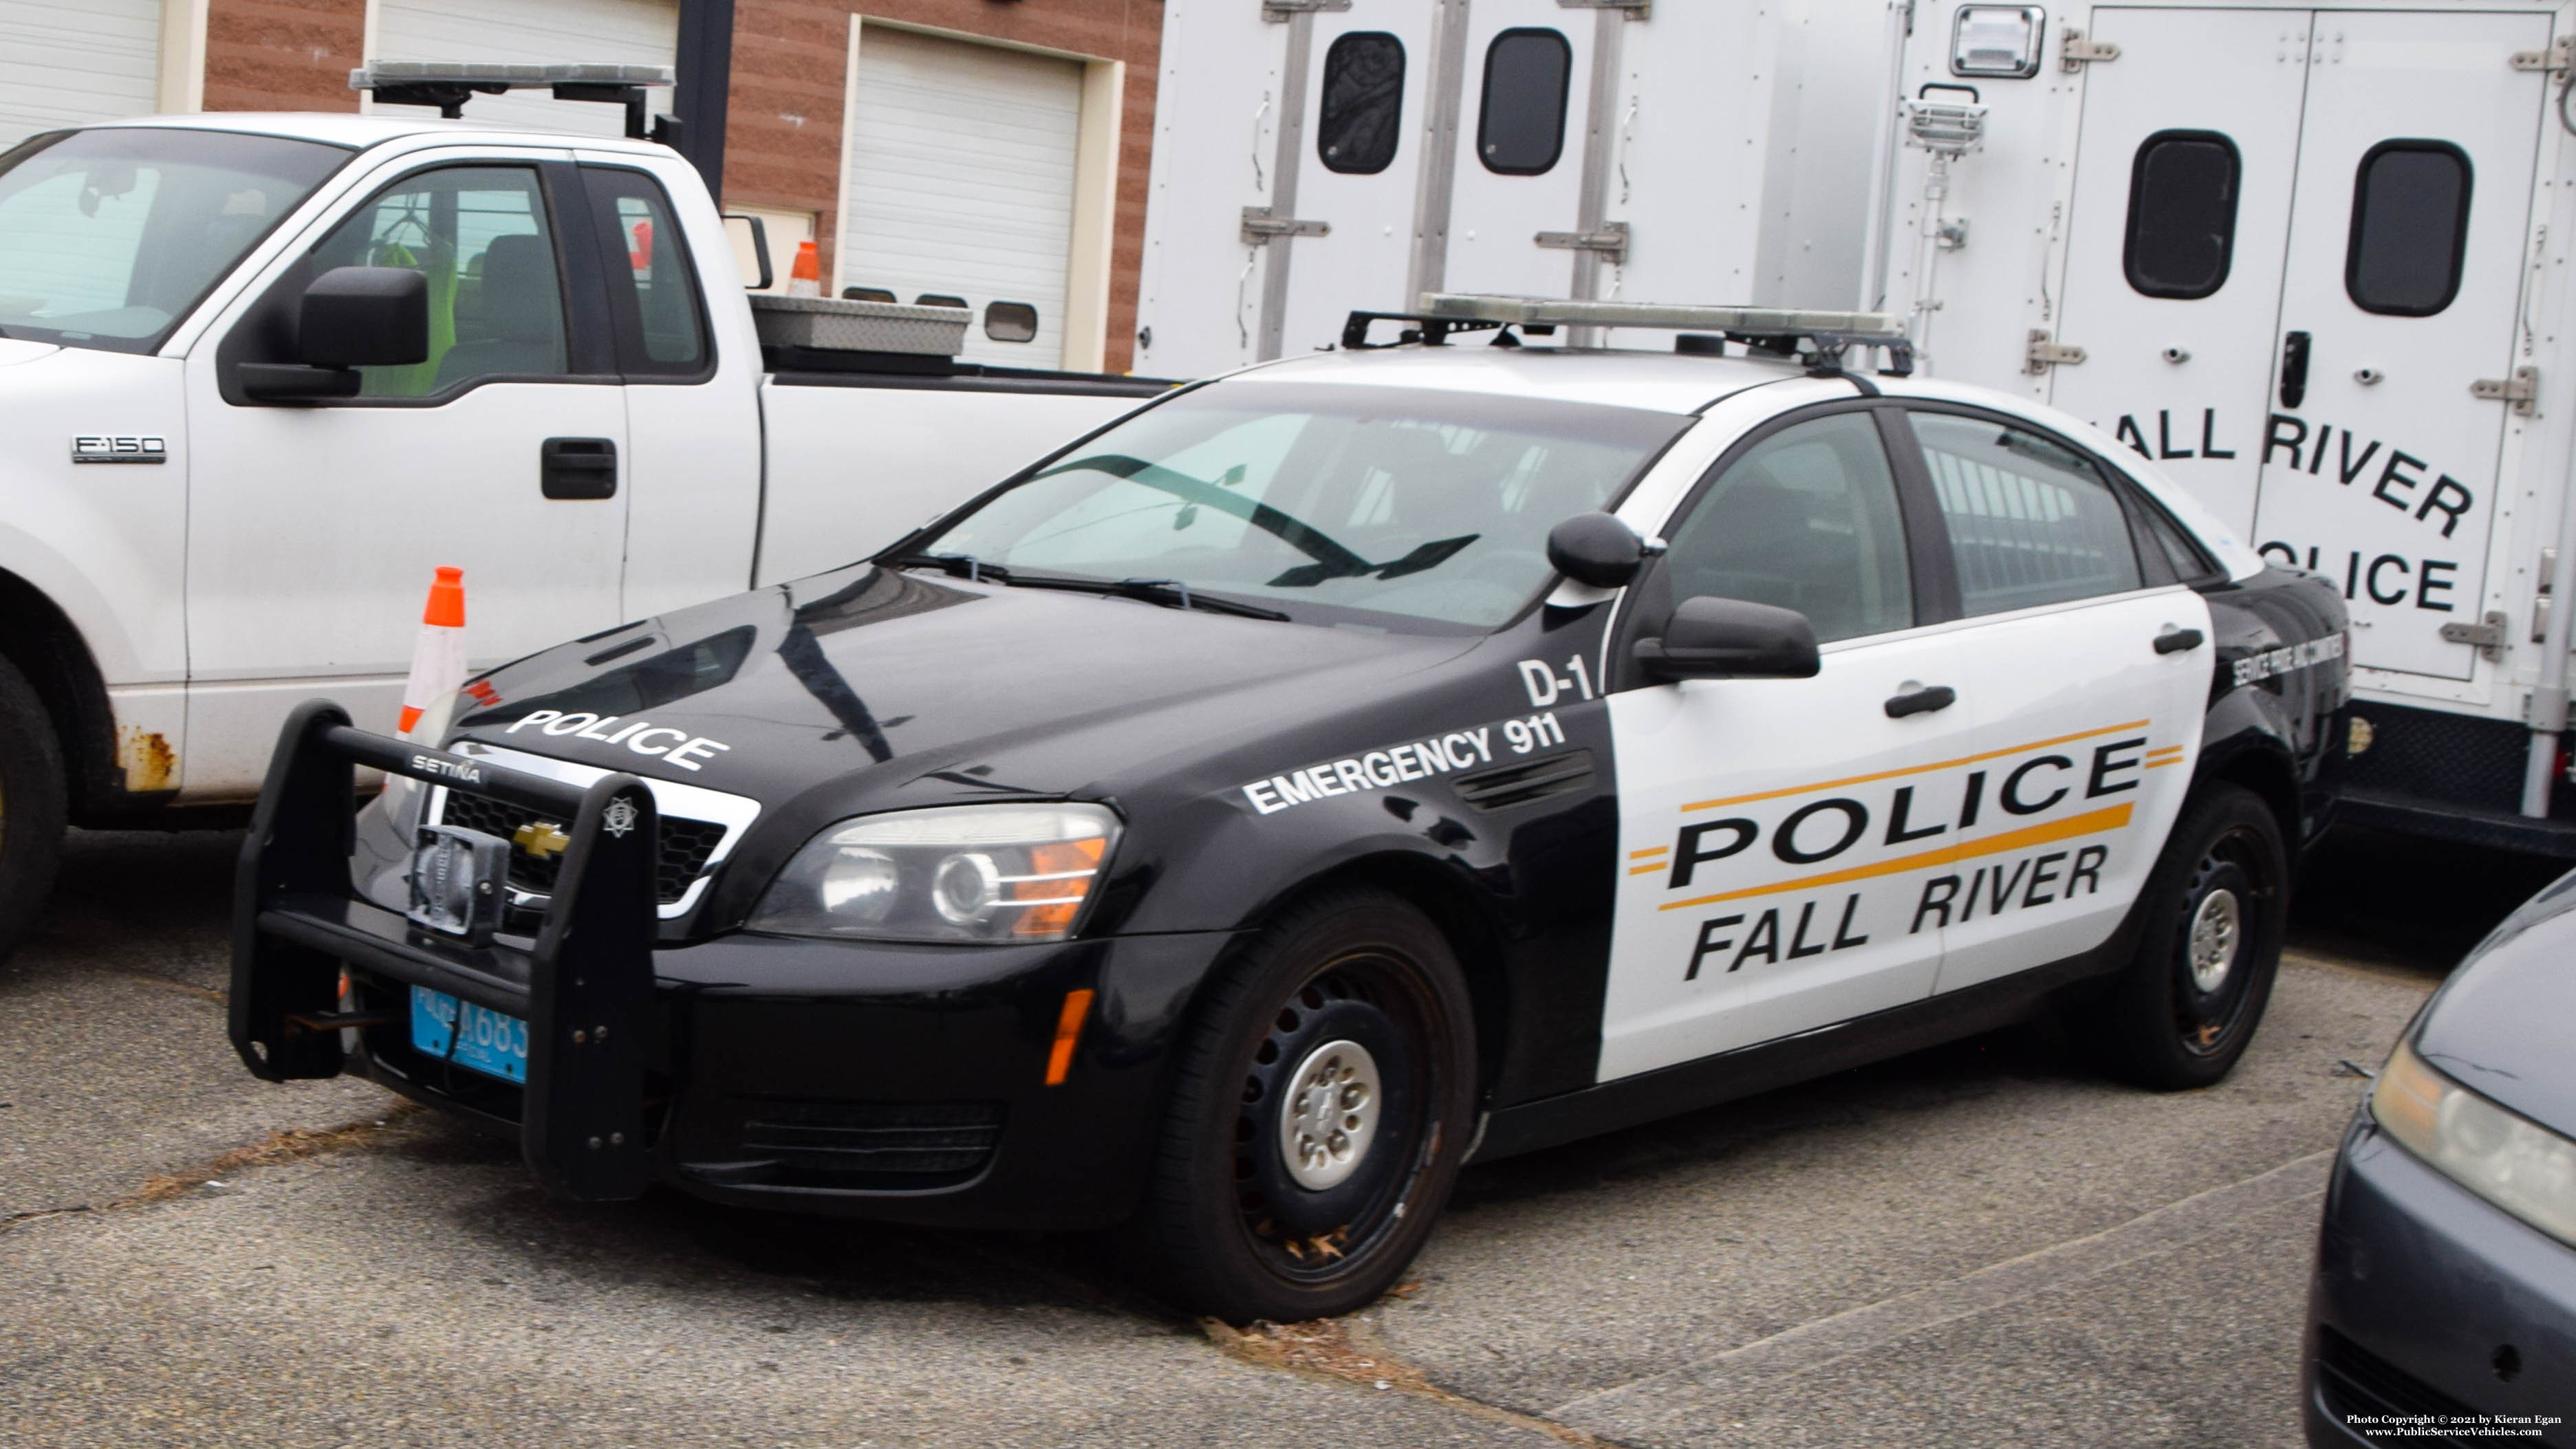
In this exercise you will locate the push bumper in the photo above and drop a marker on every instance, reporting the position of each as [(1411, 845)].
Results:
[(2427, 1300), (915, 1083)]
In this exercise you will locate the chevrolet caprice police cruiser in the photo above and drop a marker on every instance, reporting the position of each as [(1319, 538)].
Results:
[(1327, 776)]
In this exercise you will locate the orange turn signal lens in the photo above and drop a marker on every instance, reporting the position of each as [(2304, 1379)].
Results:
[(1068, 1030)]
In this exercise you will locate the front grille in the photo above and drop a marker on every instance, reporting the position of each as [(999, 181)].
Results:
[(1505, 786), (855, 1142), (2353, 1380), (683, 846)]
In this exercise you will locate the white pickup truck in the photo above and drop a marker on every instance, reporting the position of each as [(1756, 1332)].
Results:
[(261, 374)]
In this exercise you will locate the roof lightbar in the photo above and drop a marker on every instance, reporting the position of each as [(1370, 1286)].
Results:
[(1774, 330), (448, 84)]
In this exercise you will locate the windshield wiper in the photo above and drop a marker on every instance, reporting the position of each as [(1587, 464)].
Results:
[(1152, 591), (956, 565)]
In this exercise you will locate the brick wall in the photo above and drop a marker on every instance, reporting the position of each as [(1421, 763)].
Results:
[(790, 58), (283, 55)]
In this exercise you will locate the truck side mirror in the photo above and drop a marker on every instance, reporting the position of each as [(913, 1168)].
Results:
[(350, 317), (1712, 638), (1598, 549), (365, 317)]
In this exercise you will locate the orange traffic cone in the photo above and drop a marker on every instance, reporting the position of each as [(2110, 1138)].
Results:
[(805, 279), (438, 660)]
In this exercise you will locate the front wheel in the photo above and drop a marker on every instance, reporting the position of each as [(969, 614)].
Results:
[(2184, 1010), (1319, 1114), (31, 806)]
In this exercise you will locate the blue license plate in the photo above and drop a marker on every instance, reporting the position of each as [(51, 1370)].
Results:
[(475, 1037)]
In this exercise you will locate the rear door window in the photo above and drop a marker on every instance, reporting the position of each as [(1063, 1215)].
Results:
[(2410, 228), (653, 301), (2182, 214), (2030, 520), (1520, 129)]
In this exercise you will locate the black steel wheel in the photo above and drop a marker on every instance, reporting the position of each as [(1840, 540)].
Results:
[(1319, 1114), (31, 806), (2209, 946)]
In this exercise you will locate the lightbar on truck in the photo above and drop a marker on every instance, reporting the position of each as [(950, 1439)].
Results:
[(1864, 327), (447, 84)]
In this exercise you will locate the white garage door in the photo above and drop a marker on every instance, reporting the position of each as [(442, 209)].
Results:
[(628, 32), (63, 62), (959, 181)]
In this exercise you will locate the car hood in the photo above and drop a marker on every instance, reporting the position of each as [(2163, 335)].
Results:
[(883, 688), (2499, 1026)]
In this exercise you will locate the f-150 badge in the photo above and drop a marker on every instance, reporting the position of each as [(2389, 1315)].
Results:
[(115, 448)]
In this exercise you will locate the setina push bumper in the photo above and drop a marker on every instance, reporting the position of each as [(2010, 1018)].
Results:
[(585, 991)]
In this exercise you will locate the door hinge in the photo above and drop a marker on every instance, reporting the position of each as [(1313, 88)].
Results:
[(1280, 12), (2074, 52), (2522, 390), (2044, 354), (2487, 638), (1637, 9), (1259, 226), (2561, 55), (1610, 241)]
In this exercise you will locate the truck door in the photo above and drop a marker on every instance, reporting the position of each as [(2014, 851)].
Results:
[(2407, 243), (2176, 236), (1354, 174), (1525, 99), (313, 530), (1199, 308)]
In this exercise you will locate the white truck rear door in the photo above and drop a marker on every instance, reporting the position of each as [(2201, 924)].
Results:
[(314, 530)]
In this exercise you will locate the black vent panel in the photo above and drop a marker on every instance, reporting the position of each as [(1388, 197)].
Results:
[(855, 1143), (1526, 782), (684, 845), (2353, 1380)]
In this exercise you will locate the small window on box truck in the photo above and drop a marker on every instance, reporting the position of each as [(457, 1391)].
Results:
[(1363, 112), (2410, 228), (2182, 214), (1520, 129)]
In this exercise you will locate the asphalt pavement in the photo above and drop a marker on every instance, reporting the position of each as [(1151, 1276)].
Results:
[(1978, 1245)]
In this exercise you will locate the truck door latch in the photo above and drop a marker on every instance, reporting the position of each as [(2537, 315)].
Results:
[(1260, 225), (1610, 241), (577, 468), (2074, 52), (2522, 390), (2487, 638), (2044, 354)]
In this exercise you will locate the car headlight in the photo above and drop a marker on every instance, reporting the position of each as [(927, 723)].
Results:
[(947, 873), (2517, 1164)]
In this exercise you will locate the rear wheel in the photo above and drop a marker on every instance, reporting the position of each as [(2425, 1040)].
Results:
[(31, 806), (2183, 1012), (1318, 1117)]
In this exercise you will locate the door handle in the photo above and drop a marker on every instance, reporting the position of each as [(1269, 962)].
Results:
[(577, 468), (2178, 641), (1922, 701), (2294, 368)]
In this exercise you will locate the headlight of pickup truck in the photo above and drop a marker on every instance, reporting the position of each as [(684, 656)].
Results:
[(2519, 1165), (948, 873)]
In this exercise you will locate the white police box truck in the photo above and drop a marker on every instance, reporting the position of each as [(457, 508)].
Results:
[(2313, 262), (261, 374), (1319, 156)]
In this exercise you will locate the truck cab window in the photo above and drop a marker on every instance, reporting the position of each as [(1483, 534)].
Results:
[(1520, 127), (480, 236), (2030, 521), (2410, 228), (109, 237), (1363, 111), (2182, 214), (1808, 521), (652, 287)]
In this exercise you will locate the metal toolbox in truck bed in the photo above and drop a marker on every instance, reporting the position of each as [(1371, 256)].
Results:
[(850, 326)]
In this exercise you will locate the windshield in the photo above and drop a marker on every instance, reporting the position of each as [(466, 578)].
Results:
[(1399, 503), (108, 237)]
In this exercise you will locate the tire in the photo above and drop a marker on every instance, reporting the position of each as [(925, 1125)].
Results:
[(1268, 1201), (2182, 1012), (31, 806)]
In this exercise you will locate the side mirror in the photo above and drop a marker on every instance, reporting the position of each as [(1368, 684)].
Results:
[(350, 317), (365, 317), (1597, 549), (1711, 638)]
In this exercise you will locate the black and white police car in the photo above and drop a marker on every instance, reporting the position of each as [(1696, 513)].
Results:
[(1328, 775)]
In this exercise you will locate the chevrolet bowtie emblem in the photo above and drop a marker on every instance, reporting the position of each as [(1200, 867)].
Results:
[(541, 838)]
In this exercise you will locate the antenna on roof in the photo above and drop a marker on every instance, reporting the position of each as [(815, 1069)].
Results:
[(449, 84)]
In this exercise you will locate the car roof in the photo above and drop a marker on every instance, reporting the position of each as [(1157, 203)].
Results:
[(1609, 377), (365, 131)]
